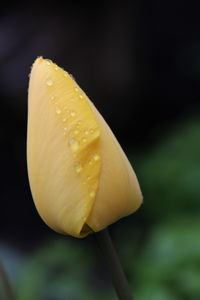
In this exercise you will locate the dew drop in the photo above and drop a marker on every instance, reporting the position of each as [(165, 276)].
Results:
[(72, 76), (76, 89), (78, 167), (96, 157), (72, 113), (49, 82), (81, 96), (65, 74), (58, 111), (73, 144), (64, 120), (86, 132), (92, 194), (78, 123), (52, 98), (83, 140), (76, 132), (56, 68), (48, 62), (91, 131)]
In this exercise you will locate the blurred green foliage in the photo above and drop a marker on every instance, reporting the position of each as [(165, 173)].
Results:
[(170, 173), (60, 270), (168, 265), (160, 252)]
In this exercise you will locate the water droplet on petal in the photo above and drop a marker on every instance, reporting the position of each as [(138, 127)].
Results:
[(76, 132), (96, 157), (65, 74), (78, 123), (76, 89), (92, 194), (58, 111), (56, 68), (72, 76), (72, 113), (73, 144), (83, 140), (49, 82), (52, 98), (64, 120), (81, 96), (86, 132), (78, 167), (48, 62), (91, 131)]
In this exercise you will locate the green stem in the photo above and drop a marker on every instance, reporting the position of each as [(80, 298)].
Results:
[(5, 287), (118, 277)]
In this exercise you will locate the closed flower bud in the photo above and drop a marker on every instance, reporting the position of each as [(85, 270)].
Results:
[(80, 178)]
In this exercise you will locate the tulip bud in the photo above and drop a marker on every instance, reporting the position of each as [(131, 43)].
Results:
[(80, 178)]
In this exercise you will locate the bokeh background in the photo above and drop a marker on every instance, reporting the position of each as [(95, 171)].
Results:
[(140, 65)]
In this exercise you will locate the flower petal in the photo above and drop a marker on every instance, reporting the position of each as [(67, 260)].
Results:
[(80, 178), (119, 192), (62, 142)]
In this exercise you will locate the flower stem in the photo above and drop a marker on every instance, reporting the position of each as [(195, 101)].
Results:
[(118, 277), (5, 286)]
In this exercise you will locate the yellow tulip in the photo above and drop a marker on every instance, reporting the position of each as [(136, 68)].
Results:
[(80, 178)]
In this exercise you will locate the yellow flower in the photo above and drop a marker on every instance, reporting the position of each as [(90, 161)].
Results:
[(80, 178)]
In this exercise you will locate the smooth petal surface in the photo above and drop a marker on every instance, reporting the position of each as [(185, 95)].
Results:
[(80, 178)]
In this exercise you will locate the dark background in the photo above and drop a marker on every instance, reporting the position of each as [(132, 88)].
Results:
[(140, 65)]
